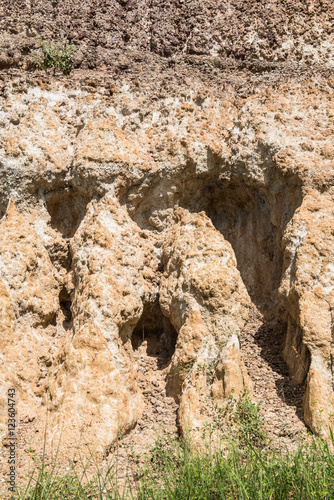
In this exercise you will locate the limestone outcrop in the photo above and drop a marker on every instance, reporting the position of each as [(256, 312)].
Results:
[(29, 305), (94, 376), (128, 221), (203, 295), (307, 291)]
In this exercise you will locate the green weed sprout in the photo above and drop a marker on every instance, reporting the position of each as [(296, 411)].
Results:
[(57, 56)]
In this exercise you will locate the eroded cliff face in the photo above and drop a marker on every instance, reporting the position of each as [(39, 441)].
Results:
[(129, 220)]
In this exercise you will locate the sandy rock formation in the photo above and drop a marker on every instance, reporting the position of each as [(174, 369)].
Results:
[(203, 295), (95, 376), (96, 252), (307, 290), (29, 297)]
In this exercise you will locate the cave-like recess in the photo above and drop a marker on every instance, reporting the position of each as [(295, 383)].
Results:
[(251, 217)]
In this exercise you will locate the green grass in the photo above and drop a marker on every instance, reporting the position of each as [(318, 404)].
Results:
[(247, 473), (174, 472), (247, 467), (45, 482)]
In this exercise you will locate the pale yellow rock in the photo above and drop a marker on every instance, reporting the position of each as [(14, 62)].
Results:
[(29, 304), (27, 270), (203, 295), (7, 370), (97, 379), (231, 377), (307, 290), (97, 182)]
